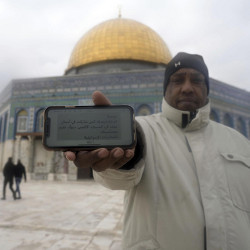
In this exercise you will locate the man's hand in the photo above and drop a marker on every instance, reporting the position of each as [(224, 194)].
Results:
[(101, 159)]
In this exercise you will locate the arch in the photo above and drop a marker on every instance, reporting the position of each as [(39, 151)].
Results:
[(22, 121), (228, 120), (143, 110), (39, 121), (240, 126), (214, 116), (24, 138)]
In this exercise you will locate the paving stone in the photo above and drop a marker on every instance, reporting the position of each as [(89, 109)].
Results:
[(62, 215)]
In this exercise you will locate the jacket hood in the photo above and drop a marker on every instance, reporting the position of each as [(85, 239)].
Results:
[(185, 119)]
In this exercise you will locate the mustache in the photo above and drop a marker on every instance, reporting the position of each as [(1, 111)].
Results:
[(189, 99)]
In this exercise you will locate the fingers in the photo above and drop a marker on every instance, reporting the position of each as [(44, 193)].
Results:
[(86, 156), (114, 155), (128, 155), (70, 156), (117, 158), (100, 99), (101, 159), (87, 159), (122, 161)]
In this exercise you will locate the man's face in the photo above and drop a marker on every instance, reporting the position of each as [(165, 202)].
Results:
[(186, 90)]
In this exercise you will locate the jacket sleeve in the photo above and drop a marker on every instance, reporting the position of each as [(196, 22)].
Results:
[(124, 179), (120, 179)]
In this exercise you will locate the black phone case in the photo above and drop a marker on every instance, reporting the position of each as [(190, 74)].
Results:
[(47, 129)]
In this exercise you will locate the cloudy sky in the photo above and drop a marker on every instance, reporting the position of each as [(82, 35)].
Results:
[(38, 36)]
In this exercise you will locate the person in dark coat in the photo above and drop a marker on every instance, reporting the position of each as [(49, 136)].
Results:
[(8, 172), (19, 173)]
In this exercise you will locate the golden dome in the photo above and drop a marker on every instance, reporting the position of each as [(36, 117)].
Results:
[(118, 39)]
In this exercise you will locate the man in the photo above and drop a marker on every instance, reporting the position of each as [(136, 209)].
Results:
[(19, 173), (8, 172), (187, 181)]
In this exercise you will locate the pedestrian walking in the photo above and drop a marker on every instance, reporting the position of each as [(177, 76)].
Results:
[(19, 172), (8, 172)]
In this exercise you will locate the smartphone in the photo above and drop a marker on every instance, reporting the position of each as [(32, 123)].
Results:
[(78, 128)]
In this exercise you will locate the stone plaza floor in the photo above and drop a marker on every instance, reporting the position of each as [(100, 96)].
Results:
[(61, 215)]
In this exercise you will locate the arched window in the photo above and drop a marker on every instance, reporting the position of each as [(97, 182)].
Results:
[(240, 126), (22, 121), (39, 121), (144, 110), (214, 116), (228, 120)]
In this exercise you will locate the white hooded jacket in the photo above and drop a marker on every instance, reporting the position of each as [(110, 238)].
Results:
[(191, 189)]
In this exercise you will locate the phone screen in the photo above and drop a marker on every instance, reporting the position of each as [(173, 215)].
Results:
[(89, 127)]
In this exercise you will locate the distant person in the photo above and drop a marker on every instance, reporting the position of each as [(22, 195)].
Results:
[(8, 172), (19, 173)]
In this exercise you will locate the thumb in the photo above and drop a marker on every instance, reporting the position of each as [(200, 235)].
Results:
[(100, 99)]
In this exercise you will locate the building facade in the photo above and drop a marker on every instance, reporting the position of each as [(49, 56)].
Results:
[(120, 57)]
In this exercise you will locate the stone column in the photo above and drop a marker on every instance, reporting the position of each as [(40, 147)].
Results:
[(72, 171), (51, 165), (16, 148), (30, 166)]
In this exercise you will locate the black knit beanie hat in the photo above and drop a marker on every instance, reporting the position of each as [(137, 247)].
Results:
[(185, 60)]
